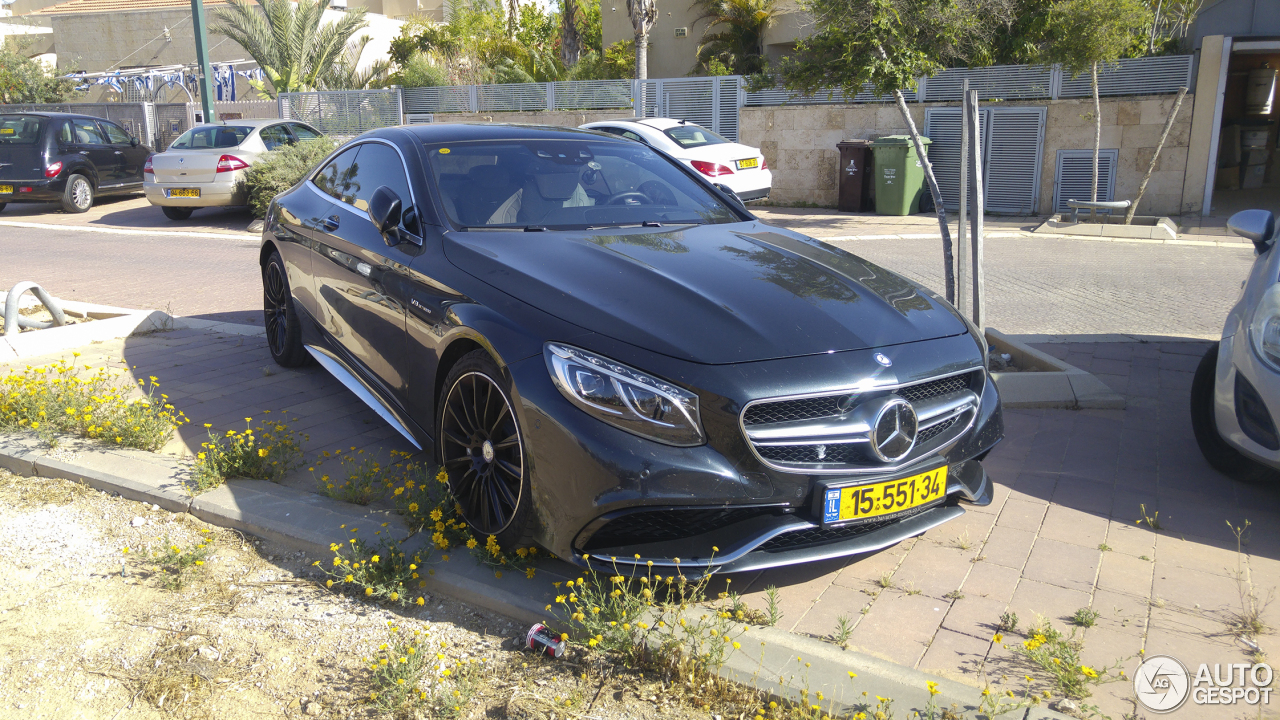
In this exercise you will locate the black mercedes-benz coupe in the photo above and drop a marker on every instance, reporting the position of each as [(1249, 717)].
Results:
[(613, 358)]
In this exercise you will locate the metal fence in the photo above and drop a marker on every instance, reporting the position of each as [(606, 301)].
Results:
[(1136, 76), (133, 117), (712, 102), (343, 113), (520, 97)]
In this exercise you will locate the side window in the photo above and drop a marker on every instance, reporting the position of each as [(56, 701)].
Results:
[(303, 132), (64, 134), (379, 165), (632, 136), (87, 133), (610, 130), (337, 177), (275, 136), (115, 134)]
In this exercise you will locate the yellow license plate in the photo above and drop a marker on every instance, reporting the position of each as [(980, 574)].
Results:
[(883, 498), (748, 164), (6, 188), (184, 192)]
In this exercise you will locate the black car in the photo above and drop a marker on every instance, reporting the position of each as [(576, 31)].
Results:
[(612, 357), (71, 159)]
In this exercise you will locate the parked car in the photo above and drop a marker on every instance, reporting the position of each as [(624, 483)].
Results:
[(204, 166), (66, 158), (739, 167), (611, 356), (1235, 393)]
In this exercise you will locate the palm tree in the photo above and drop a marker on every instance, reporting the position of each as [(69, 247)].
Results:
[(345, 75), (290, 45), (734, 34), (643, 14)]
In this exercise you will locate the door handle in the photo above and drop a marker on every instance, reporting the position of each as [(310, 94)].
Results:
[(119, 152), (364, 269), (84, 152), (331, 222)]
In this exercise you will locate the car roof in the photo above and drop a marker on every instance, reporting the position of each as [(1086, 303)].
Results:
[(52, 115), (460, 132), (251, 122)]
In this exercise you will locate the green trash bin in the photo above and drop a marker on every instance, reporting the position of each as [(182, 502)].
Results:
[(899, 175)]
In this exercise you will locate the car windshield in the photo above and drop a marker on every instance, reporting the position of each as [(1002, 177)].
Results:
[(692, 136), (211, 136), (567, 184), (20, 129)]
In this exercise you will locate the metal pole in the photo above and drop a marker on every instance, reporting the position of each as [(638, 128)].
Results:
[(202, 60), (962, 237), (979, 277)]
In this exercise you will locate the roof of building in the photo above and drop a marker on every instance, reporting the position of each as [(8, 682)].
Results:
[(104, 6)]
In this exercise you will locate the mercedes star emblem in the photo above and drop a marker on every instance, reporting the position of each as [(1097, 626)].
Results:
[(882, 359), (893, 432)]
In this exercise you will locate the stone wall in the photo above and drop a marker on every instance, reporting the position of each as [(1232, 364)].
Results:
[(799, 143)]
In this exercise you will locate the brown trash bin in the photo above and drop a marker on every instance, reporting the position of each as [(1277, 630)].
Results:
[(856, 184)]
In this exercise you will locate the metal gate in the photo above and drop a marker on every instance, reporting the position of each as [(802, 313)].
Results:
[(1012, 142), (344, 113), (171, 120), (712, 102)]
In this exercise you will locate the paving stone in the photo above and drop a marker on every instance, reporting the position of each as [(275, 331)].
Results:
[(955, 655), (989, 580), (899, 627), (1194, 589), (1022, 514), (975, 616), (1035, 599), (1008, 546), (1197, 555), (934, 569), (866, 570), (1063, 564), (1120, 613), (1074, 527), (1126, 574)]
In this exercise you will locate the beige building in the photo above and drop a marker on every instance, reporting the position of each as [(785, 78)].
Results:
[(674, 39)]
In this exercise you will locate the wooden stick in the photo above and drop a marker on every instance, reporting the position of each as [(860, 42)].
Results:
[(1168, 125)]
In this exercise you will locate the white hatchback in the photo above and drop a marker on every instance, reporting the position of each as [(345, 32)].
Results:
[(740, 168)]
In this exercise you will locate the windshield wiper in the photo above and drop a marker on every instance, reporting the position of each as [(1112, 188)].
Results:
[(645, 223)]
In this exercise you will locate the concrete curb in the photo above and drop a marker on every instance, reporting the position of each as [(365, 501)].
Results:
[(1055, 384), (308, 522), (132, 231)]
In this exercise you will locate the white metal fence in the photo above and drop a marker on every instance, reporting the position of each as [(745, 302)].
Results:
[(343, 113)]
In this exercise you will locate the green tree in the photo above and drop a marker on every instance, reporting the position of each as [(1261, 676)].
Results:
[(734, 34), (346, 75), (887, 44), (290, 45), (25, 80), (1087, 33)]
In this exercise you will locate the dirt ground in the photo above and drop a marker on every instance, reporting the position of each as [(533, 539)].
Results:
[(90, 631)]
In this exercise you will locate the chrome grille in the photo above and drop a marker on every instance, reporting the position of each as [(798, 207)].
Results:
[(812, 434)]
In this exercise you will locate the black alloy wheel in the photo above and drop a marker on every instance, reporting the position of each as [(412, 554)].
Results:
[(482, 450), (284, 331)]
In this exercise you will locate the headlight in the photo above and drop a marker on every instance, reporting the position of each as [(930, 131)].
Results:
[(1264, 329), (625, 397)]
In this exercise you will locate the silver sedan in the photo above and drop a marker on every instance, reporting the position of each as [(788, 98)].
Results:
[(204, 166)]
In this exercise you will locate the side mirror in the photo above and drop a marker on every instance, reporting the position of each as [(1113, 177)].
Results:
[(1256, 225), (732, 195), (384, 211), (133, 142)]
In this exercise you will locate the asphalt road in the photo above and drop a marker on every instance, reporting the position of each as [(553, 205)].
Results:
[(1034, 285)]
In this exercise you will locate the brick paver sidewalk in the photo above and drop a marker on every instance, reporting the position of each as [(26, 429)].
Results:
[(1060, 536), (132, 213)]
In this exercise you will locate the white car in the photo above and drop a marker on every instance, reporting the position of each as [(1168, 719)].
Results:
[(204, 166), (1235, 394), (740, 168)]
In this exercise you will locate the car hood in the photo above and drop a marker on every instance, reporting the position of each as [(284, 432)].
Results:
[(709, 294)]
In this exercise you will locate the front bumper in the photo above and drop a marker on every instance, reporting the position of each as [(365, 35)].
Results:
[(1240, 370), (42, 191), (215, 194), (586, 474)]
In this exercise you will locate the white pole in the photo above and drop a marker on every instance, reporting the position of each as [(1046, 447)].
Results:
[(962, 246), (979, 279)]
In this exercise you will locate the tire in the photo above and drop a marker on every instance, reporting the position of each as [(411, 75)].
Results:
[(2, 206), (1216, 451), (78, 197), (280, 317), (482, 449), (177, 213)]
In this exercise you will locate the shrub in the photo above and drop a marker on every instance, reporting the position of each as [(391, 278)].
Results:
[(281, 169), (268, 453), (421, 72)]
